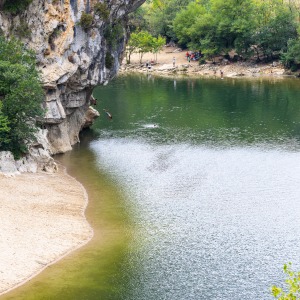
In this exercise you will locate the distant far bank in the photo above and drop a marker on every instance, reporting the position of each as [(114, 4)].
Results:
[(173, 61)]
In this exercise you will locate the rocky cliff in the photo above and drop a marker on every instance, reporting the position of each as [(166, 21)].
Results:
[(79, 44)]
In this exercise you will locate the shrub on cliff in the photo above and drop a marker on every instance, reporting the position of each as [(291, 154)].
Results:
[(16, 6), (21, 95), (86, 21), (102, 11)]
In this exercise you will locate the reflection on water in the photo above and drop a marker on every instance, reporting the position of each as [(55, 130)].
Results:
[(212, 171)]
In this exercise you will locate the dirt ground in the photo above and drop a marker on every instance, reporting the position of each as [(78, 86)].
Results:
[(164, 66)]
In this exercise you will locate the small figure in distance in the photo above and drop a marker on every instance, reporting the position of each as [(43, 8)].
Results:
[(187, 55), (174, 62), (222, 74), (108, 114)]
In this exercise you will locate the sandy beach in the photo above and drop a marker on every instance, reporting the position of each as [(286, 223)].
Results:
[(41, 220), (164, 66)]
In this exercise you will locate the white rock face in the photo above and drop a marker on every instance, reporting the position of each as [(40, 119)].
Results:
[(90, 115), (38, 158), (71, 59), (7, 163)]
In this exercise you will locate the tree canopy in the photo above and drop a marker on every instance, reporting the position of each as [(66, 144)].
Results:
[(142, 42), (266, 29)]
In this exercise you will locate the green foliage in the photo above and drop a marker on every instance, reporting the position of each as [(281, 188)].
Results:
[(291, 58), (16, 6), (216, 26), (132, 46), (275, 34), (4, 129), (109, 60), (157, 44), (160, 15), (137, 21), (142, 42), (86, 21), (102, 10), (292, 285), (112, 34), (21, 94)]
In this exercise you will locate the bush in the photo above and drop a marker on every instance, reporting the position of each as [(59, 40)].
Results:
[(21, 94), (16, 6), (294, 68), (86, 21), (102, 11), (292, 285)]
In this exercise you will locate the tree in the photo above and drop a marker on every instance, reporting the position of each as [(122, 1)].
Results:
[(274, 35), (160, 16), (293, 285), (291, 58), (184, 24), (142, 42), (132, 46), (216, 26), (22, 96), (157, 45)]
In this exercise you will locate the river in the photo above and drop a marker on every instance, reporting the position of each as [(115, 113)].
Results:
[(199, 188)]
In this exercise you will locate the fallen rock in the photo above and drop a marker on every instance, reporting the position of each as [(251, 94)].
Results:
[(7, 163)]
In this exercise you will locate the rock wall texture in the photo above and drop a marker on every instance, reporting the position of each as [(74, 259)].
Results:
[(73, 56)]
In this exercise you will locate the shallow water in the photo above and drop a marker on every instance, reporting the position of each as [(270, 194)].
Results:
[(194, 188)]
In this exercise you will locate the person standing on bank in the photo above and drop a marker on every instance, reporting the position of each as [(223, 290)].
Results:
[(174, 62)]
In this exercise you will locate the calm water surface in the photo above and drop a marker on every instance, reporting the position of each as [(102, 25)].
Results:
[(197, 186), (212, 171)]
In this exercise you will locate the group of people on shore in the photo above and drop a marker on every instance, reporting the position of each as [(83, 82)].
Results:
[(191, 55)]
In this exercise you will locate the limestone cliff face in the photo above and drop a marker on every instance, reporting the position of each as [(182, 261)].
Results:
[(72, 59)]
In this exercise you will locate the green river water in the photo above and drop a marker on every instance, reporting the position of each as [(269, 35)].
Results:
[(194, 190)]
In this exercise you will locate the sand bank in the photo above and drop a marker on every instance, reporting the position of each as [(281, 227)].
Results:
[(41, 220)]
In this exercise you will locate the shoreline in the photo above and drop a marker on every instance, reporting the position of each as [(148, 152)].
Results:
[(164, 67), (57, 213)]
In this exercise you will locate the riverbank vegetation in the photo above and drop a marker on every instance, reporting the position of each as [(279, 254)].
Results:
[(292, 290), (257, 29), (21, 96)]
